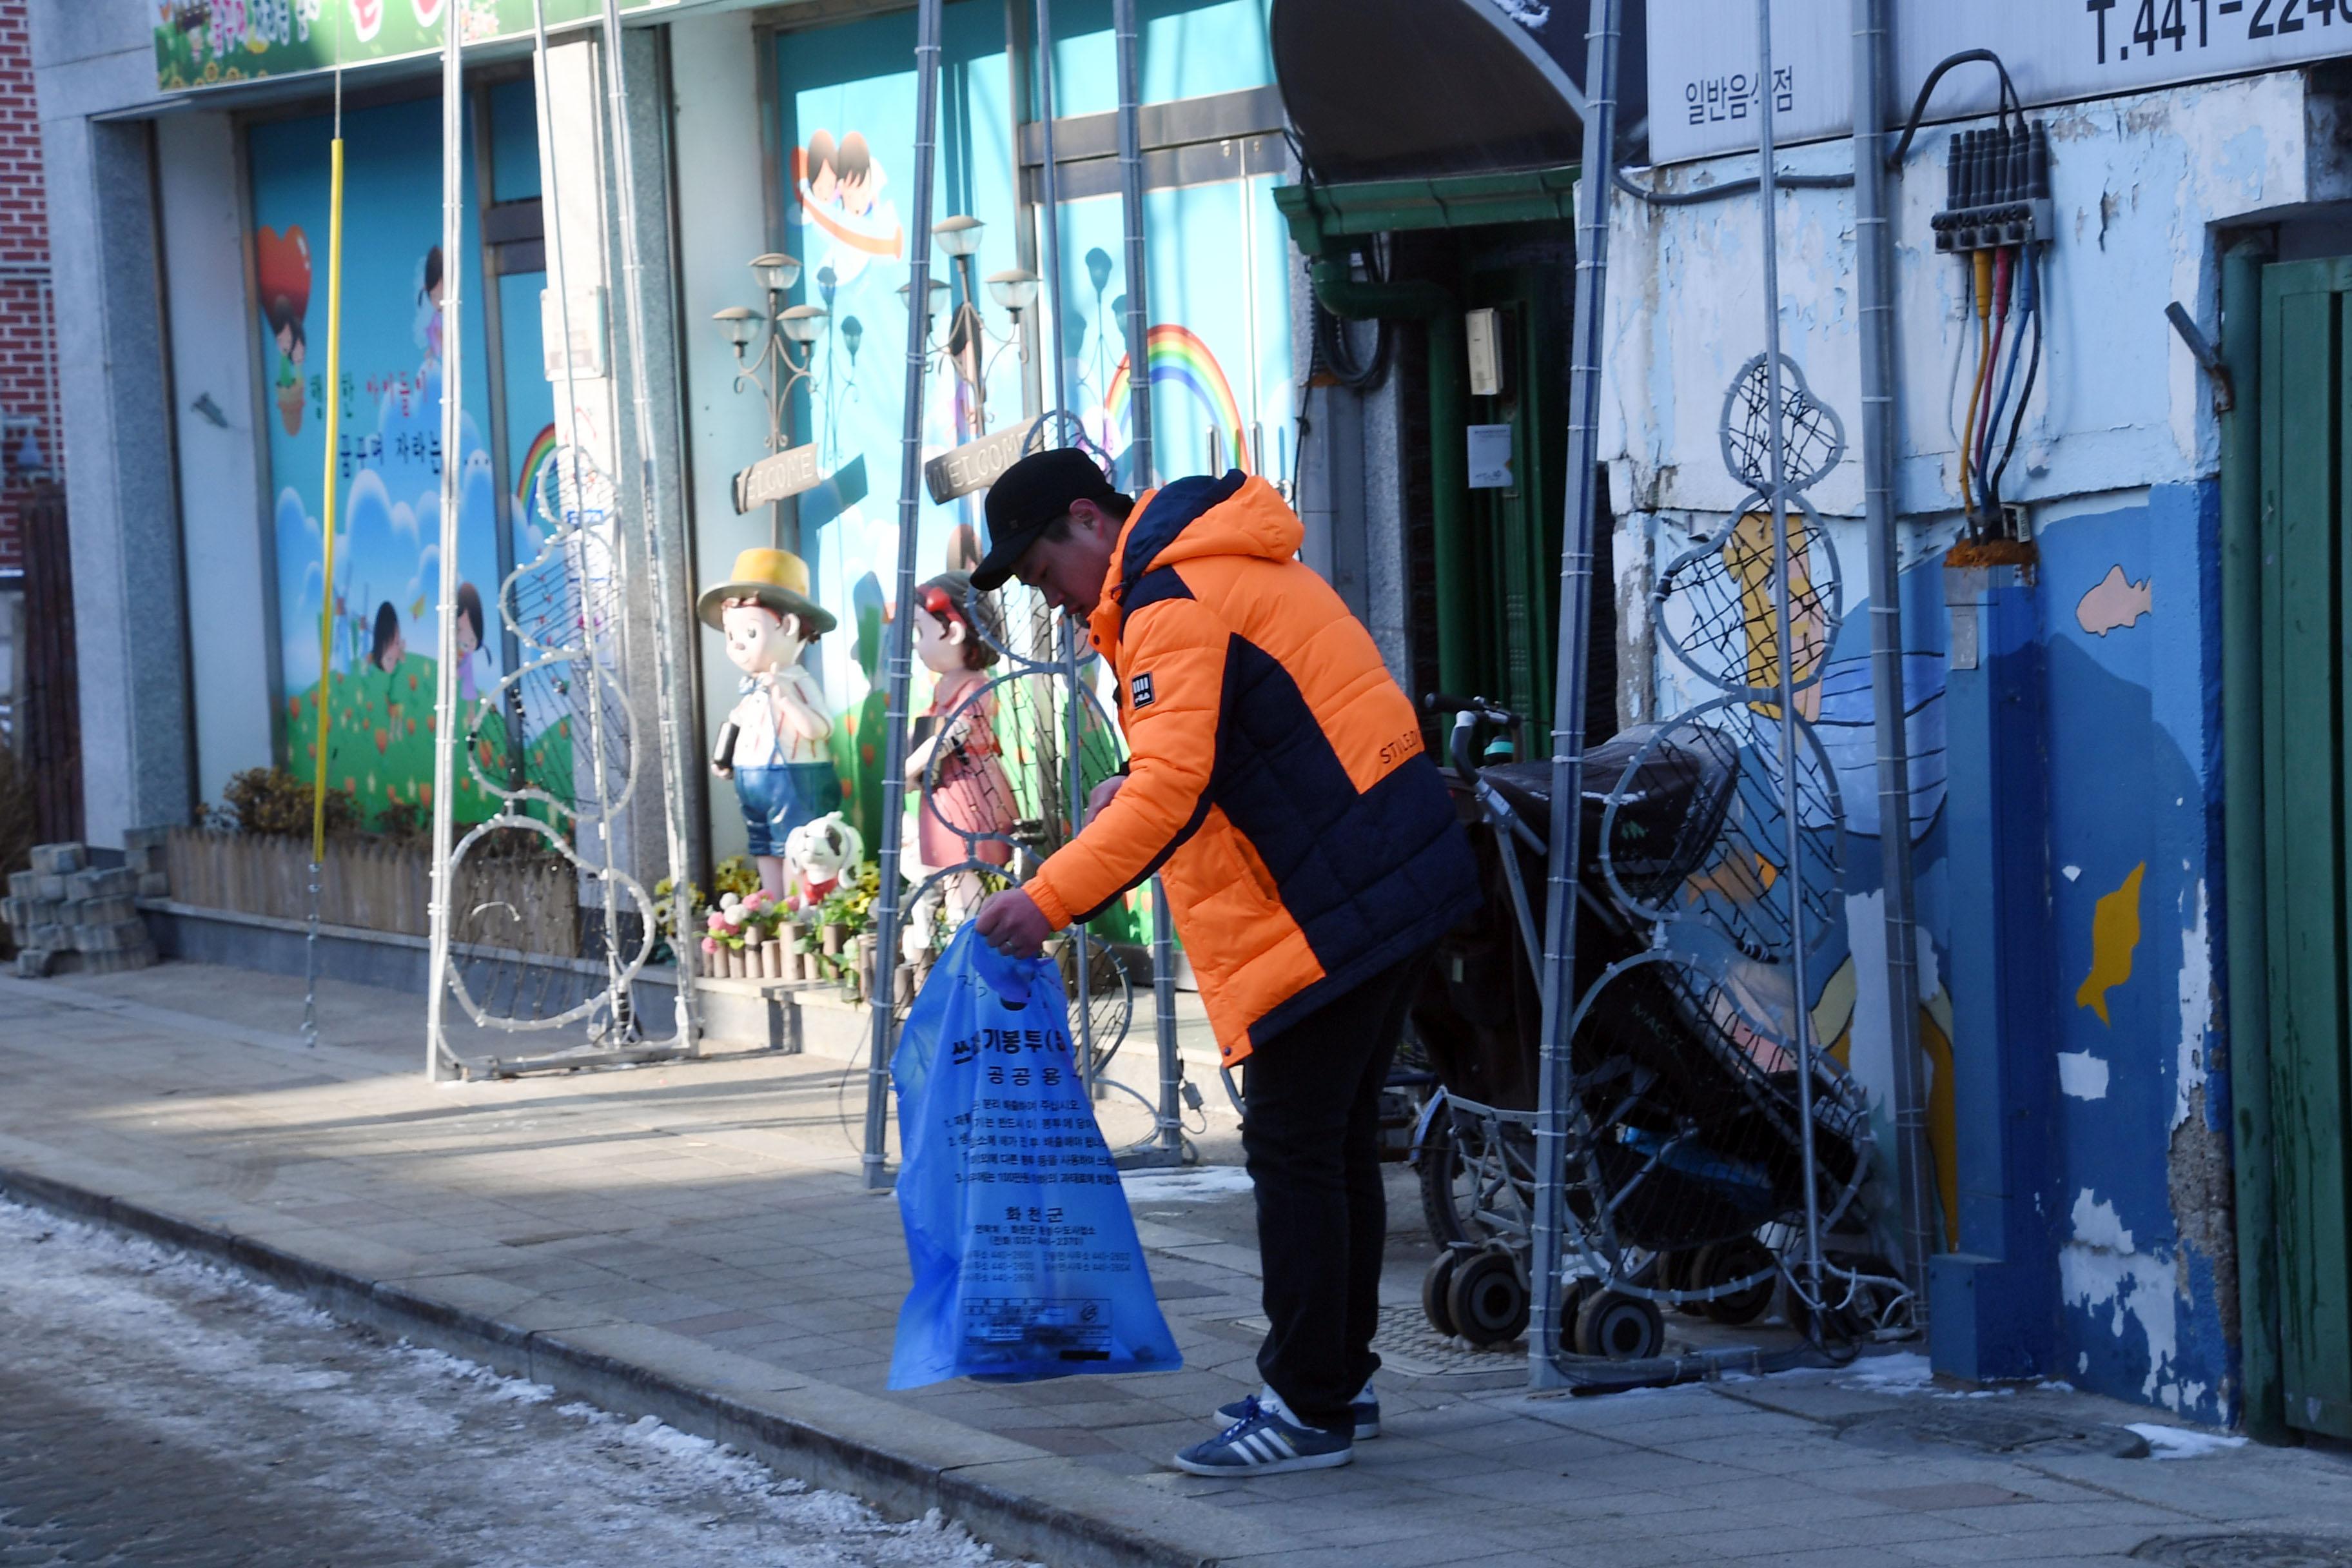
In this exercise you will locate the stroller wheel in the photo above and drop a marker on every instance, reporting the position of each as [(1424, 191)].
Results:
[(1619, 1327), (1444, 1202), (1572, 1298), (1726, 1263), (1487, 1299), (1434, 1284)]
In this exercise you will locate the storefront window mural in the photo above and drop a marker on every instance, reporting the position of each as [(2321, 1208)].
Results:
[(1216, 359), (383, 629)]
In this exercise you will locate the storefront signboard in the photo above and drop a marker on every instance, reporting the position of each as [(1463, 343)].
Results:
[(213, 43)]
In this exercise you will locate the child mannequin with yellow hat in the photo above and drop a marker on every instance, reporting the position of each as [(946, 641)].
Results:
[(773, 746)]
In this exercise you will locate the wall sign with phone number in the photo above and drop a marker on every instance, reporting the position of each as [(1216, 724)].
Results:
[(2058, 51), (2180, 25)]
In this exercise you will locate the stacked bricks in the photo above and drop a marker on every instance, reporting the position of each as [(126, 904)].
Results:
[(67, 915)]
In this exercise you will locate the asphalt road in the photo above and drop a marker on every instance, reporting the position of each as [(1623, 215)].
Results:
[(153, 1411)]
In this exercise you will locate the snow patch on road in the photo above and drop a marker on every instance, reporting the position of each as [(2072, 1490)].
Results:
[(207, 1359)]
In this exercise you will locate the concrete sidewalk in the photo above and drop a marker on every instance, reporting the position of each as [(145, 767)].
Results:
[(692, 1241)]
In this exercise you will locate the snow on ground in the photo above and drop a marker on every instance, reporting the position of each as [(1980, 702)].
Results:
[(400, 1441), (2184, 1442), (1192, 1182)]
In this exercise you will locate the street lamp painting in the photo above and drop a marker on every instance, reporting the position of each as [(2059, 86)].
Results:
[(966, 344), (764, 343)]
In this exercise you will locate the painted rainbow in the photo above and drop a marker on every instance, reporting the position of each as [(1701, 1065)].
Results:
[(1175, 354), (542, 447)]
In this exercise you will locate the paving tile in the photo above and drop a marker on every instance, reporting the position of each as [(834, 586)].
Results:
[(730, 1207)]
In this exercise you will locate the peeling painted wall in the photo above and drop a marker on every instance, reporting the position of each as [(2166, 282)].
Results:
[(2118, 454)]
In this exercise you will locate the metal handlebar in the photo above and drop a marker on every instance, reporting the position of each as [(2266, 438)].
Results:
[(1474, 719)]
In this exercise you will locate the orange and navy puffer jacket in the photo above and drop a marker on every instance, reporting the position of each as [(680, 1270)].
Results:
[(1276, 776)]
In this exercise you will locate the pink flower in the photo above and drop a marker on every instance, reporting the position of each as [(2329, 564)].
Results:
[(709, 945), (718, 921)]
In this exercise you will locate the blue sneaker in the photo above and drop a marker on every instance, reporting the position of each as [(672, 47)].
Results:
[(1365, 1407), (1264, 1442)]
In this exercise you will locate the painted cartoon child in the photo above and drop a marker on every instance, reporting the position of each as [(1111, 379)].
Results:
[(292, 350), (430, 295), (388, 648), (861, 179), (773, 743), (823, 180), (469, 640)]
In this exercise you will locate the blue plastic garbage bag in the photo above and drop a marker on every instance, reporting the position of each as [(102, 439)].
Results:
[(1024, 1255)]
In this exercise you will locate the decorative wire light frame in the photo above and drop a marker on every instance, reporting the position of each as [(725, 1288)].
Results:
[(564, 606), (1635, 1165), (1813, 436), (1735, 888), (1714, 601), (1102, 1008), (1744, 903)]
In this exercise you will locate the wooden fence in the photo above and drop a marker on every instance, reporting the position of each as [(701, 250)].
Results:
[(531, 904)]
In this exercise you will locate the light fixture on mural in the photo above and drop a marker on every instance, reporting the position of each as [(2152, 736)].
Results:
[(774, 371), (967, 340)]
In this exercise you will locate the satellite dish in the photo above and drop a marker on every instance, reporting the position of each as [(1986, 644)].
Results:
[(1421, 89)]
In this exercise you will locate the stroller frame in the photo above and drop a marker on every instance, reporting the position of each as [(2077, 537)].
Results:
[(1493, 1147)]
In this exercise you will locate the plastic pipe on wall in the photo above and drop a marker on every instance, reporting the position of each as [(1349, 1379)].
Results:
[(1351, 298), (2245, 873), (1874, 283)]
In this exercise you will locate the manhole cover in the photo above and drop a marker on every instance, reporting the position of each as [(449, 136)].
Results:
[(2268, 1550), (1954, 1425), (1409, 1347)]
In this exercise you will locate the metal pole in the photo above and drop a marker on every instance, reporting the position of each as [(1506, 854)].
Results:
[(1130, 202), (668, 659), (1568, 699), (1138, 403), (1874, 283), (327, 562), (1051, 182), (1799, 1017), (445, 701), (899, 653)]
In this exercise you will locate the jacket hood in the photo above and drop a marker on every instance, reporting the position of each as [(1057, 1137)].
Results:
[(1239, 514)]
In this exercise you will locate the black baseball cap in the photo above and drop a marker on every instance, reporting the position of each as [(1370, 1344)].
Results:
[(1029, 496)]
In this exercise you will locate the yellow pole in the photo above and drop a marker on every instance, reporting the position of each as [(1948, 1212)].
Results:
[(334, 408)]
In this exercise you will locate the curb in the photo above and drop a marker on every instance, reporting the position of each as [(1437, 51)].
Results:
[(1023, 1501)]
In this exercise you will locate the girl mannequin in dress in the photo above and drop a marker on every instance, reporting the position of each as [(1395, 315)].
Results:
[(969, 793)]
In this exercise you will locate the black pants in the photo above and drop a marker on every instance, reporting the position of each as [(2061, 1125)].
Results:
[(1312, 1136)]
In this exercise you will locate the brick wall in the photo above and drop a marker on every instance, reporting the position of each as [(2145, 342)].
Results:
[(29, 436)]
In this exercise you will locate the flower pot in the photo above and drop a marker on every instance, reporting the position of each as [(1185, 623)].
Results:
[(772, 952), (868, 944), (836, 937), (755, 960)]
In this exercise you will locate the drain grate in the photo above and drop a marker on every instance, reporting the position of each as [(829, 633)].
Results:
[(2262, 1549), (1978, 1430), (1409, 1347)]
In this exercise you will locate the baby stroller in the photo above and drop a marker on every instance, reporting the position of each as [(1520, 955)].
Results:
[(1685, 1168)]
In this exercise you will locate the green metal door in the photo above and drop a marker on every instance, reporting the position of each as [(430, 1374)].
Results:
[(2306, 502), (1514, 529)]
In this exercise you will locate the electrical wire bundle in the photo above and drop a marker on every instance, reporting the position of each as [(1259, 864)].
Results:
[(1997, 189)]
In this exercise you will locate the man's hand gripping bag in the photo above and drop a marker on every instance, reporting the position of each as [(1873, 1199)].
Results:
[(1024, 1253)]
